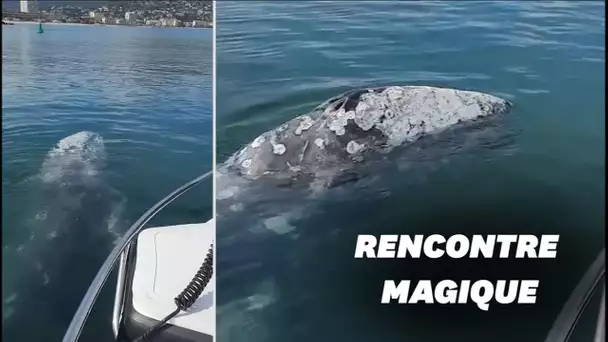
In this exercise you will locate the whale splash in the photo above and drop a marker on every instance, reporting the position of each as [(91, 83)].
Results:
[(79, 155)]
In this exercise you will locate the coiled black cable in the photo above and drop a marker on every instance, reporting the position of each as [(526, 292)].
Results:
[(188, 296)]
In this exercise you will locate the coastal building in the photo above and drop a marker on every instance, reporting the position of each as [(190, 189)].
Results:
[(55, 16), (198, 23), (96, 16), (28, 6), (150, 22), (170, 22), (120, 21), (175, 13), (131, 17)]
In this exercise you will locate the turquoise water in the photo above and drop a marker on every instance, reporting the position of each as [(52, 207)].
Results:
[(276, 61), (145, 97)]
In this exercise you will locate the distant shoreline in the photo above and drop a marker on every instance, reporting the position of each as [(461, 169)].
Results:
[(9, 22)]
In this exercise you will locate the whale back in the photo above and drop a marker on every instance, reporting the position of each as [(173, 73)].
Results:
[(345, 129)]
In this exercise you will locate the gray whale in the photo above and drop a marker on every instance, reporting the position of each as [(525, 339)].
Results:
[(76, 216), (363, 135), (325, 145)]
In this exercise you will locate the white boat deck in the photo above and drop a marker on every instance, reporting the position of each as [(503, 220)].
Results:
[(167, 260)]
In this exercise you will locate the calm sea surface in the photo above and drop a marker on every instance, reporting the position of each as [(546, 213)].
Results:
[(279, 60), (98, 124)]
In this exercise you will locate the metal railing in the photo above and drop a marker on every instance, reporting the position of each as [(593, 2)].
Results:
[(86, 305), (600, 330), (572, 311), (120, 291), (561, 331)]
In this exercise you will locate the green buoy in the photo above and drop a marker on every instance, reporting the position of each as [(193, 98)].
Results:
[(40, 29)]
